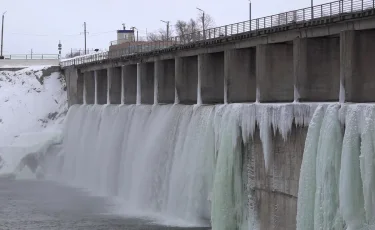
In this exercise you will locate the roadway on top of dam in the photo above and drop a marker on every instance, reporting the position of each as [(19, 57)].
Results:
[(321, 20)]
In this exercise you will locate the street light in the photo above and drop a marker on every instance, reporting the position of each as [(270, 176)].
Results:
[(250, 11), (2, 36), (312, 9), (166, 22), (204, 33)]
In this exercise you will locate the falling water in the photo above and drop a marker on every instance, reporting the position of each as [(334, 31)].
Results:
[(194, 165)]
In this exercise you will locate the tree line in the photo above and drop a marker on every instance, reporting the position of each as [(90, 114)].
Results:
[(183, 28)]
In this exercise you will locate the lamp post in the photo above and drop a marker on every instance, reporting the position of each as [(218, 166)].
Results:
[(249, 10), (2, 36), (312, 9), (166, 22), (203, 20)]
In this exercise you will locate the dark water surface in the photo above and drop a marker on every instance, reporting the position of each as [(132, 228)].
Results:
[(38, 205)]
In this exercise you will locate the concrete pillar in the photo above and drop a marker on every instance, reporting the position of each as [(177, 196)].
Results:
[(129, 84), (146, 77), (80, 87), (164, 81), (274, 69), (211, 78), (239, 75), (186, 69), (317, 69), (101, 86), (74, 82), (357, 65), (89, 90), (114, 85)]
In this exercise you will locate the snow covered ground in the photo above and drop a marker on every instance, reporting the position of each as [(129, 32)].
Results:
[(30, 102), (33, 104)]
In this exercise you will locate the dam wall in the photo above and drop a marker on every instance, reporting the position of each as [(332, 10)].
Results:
[(327, 62)]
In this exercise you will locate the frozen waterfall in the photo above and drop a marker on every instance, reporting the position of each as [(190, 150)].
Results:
[(337, 174)]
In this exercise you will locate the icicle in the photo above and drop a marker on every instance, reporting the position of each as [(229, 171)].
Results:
[(307, 181), (351, 195), (367, 164), (248, 119), (264, 123), (227, 203), (326, 211)]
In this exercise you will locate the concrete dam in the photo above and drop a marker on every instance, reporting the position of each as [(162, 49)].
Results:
[(258, 126)]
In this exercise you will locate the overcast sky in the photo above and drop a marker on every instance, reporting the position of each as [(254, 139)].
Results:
[(40, 24)]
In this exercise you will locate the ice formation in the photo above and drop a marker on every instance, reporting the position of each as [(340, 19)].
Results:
[(342, 145)]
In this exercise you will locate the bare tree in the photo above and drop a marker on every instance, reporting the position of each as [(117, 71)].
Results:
[(191, 30), (209, 22), (160, 35)]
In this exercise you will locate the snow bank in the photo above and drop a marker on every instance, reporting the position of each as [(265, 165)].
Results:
[(33, 104), (30, 101)]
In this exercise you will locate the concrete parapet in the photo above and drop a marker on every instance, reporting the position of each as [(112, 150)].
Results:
[(317, 69), (211, 78), (89, 88), (164, 81), (274, 69), (240, 75), (186, 69), (129, 84), (101, 86), (146, 76), (114, 85), (357, 65)]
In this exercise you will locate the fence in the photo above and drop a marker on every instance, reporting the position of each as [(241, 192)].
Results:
[(336, 8), (32, 56)]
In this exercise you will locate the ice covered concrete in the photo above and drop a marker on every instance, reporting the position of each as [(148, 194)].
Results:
[(337, 175), (30, 102)]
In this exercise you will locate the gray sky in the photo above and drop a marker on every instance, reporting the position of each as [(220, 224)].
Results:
[(40, 24)]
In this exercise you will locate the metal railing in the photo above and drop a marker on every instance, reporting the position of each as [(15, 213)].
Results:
[(327, 10), (32, 56)]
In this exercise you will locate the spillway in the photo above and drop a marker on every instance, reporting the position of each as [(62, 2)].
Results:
[(195, 164)]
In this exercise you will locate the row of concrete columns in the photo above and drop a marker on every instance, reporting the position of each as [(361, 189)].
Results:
[(305, 69)]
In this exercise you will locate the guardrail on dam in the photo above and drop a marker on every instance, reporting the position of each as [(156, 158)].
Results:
[(311, 60)]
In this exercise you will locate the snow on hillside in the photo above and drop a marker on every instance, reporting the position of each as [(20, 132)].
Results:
[(31, 100)]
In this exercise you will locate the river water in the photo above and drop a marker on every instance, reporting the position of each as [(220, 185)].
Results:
[(37, 204)]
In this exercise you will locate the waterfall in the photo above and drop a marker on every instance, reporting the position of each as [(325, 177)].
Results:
[(180, 164), (342, 158)]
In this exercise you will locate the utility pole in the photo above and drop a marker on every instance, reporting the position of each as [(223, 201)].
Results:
[(167, 22), (2, 36), (203, 22), (134, 28), (85, 33), (312, 9), (249, 10)]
